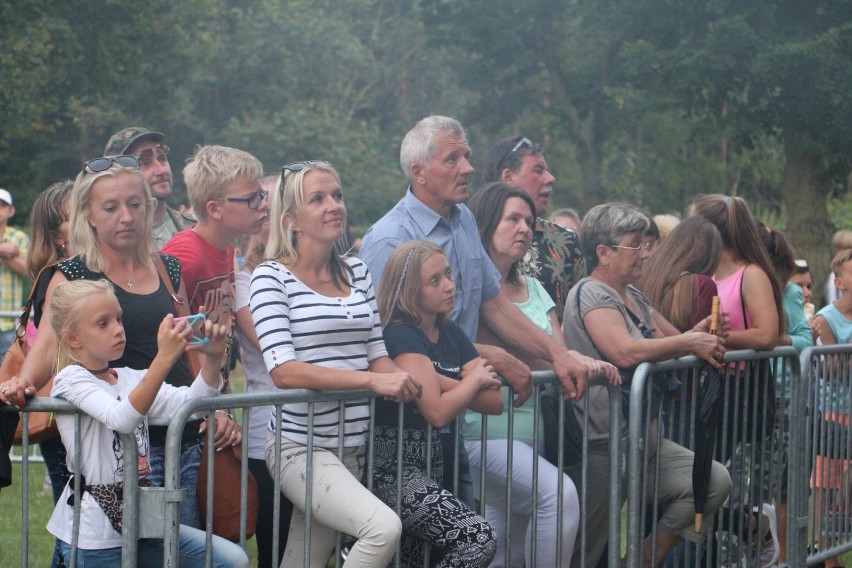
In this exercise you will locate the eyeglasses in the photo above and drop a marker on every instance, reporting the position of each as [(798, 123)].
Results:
[(253, 201), (96, 165), (299, 166), (146, 157), (522, 143), (641, 248)]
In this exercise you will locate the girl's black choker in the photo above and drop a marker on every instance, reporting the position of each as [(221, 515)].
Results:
[(97, 372)]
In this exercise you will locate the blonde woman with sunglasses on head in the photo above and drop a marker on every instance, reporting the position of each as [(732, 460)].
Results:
[(318, 327), (110, 234)]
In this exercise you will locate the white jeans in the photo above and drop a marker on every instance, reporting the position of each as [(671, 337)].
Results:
[(340, 503), (496, 473)]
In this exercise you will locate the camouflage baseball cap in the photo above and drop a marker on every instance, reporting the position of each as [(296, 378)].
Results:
[(121, 141)]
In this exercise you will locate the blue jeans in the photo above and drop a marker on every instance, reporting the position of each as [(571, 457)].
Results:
[(226, 554), (190, 459)]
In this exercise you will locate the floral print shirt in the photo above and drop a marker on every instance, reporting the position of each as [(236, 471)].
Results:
[(555, 260)]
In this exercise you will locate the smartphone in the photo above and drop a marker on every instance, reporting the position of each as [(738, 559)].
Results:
[(196, 324)]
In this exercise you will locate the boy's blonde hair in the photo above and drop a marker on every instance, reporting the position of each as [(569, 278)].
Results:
[(67, 306), (212, 170), (840, 259), (841, 240)]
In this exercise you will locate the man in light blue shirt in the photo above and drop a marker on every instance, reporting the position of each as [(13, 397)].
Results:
[(435, 156)]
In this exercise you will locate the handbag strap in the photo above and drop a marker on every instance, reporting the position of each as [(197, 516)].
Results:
[(24, 318), (179, 303), (180, 308)]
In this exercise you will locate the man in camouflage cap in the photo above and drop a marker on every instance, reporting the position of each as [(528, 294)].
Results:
[(147, 146)]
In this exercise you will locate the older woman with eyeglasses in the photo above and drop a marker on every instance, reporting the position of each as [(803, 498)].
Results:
[(110, 232), (607, 318), (318, 327)]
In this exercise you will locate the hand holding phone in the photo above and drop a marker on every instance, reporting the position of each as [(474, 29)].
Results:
[(196, 324)]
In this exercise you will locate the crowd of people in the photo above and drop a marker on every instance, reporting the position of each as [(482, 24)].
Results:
[(450, 290)]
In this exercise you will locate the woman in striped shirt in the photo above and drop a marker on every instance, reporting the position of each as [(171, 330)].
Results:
[(318, 326)]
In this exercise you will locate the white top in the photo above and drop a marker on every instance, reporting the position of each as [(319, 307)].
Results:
[(293, 322), (257, 377), (107, 411)]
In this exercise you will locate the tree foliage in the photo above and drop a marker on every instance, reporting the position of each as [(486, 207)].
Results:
[(650, 101)]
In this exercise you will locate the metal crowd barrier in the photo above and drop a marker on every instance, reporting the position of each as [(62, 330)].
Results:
[(130, 515), (813, 399), (248, 400), (826, 437), (755, 393)]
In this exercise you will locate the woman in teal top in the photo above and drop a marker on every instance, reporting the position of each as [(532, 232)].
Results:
[(505, 216)]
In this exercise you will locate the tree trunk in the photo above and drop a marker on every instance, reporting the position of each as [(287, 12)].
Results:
[(805, 189), (589, 157)]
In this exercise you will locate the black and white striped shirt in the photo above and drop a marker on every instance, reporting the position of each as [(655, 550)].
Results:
[(294, 322)]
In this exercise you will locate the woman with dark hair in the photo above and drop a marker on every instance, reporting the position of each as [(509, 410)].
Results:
[(505, 216), (48, 245), (607, 317)]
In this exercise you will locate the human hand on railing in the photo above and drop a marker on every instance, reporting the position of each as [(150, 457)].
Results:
[(483, 374), (576, 370), (515, 372), (711, 348), (16, 390), (227, 433), (397, 386)]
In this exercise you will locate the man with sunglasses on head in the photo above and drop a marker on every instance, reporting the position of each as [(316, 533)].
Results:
[(153, 159), (554, 257)]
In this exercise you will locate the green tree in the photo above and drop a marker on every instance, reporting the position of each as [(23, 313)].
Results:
[(757, 70)]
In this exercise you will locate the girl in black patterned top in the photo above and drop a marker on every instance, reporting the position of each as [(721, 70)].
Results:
[(415, 296)]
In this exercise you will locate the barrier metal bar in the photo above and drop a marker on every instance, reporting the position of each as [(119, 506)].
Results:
[(758, 452), (55, 405), (244, 400), (823, 398)]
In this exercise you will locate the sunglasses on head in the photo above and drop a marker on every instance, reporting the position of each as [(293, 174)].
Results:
[(299, 166), (96, 165), (522, 143)]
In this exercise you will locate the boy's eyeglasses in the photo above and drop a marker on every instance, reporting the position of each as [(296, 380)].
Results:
[(641, 248), (299, 166), (96, 165), (522, 143), (253, 201)]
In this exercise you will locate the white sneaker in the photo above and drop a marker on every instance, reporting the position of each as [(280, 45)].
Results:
[(768, 541)]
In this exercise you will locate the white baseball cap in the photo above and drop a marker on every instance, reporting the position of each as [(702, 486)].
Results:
[(5, 196)]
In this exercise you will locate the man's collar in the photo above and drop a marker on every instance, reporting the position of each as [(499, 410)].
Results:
[(425, 217)]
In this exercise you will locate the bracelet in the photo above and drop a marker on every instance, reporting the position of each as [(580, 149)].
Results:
[(223, 411)]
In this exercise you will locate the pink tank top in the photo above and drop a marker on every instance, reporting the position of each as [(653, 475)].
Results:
[(731, 299)]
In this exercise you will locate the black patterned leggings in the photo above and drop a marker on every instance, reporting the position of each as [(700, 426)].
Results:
[(432, 515)]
